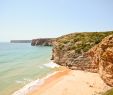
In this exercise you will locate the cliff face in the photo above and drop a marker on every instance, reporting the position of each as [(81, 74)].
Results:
[(43, 41), (71, 50), (102, 56), (86, 51)]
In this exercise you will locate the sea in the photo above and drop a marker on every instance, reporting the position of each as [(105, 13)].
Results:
[(21, 64)]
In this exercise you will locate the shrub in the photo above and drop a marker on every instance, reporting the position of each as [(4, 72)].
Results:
[(109, 92), (87, 39)]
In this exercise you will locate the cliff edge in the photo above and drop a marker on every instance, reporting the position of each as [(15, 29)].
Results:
[(102, 56), (86, 51), (42, 41)]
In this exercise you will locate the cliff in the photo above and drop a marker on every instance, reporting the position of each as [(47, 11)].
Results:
[(102, 56), (86, 51), (20, 41), (42, 41)]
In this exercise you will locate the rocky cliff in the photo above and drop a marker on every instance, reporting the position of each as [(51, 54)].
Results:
[(86, 51), (42, 41), (102, 56)]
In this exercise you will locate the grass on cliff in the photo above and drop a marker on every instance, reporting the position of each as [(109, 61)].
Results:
[(81, 41), (109, 92)]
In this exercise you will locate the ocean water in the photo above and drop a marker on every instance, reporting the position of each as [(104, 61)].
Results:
[(21, 64)]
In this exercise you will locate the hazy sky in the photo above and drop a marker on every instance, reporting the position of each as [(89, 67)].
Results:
[(27, 19)]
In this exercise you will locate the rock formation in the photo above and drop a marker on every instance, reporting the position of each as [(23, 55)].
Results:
[(102, 56), (71, 50), (86, 51), (42, 41), (72, 59)]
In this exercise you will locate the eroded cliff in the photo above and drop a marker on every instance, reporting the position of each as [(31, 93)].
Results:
[(42, 41), (102, 56), (86, 51)]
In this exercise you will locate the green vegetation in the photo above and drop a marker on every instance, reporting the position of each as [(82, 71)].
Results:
[(81, 41), (109, 92)]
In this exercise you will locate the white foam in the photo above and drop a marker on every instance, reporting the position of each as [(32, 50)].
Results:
[(51, 65), (41, 67), (28, 88), (27, 80), (18, 81), (32, 85), (23, 81)]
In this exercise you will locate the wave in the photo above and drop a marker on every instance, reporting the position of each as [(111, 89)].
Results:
[(24, 81), (51, 65), (35, 84), (28, 88)]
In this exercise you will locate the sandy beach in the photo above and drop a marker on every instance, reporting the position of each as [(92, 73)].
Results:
[(72, 82)]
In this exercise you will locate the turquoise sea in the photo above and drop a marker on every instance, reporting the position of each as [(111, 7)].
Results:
[(21, 63)]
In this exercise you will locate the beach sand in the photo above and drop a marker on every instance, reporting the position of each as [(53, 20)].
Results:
[(72, 82)]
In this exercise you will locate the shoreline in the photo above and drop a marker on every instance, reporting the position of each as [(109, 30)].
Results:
[(66, 82), (50, 80), (72, 82), (39, 83)]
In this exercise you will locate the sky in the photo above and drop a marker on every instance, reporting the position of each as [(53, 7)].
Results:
[(28, 19)]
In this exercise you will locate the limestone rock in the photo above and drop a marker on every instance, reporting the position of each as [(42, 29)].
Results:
[(102, 56)]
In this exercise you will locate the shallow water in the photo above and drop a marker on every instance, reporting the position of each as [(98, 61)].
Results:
[(21, 64)]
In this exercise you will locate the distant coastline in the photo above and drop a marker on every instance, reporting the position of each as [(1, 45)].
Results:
[(20, 41), (42, 41), (36, 42)]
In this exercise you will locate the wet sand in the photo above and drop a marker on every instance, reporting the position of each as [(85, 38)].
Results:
[(50, 81)]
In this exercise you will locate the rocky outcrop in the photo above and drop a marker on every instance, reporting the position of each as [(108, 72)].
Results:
[(102, 56), (73, 60), (86, 51), (42, 41), (71, 50)]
